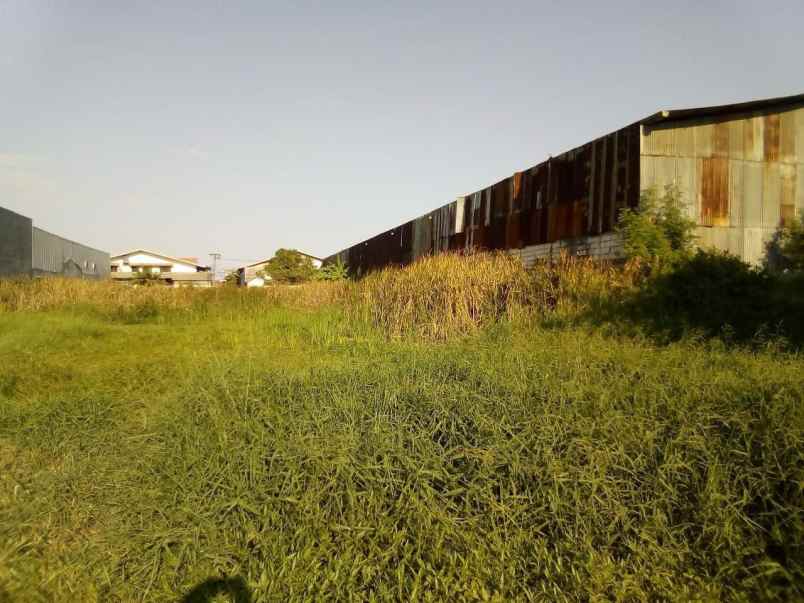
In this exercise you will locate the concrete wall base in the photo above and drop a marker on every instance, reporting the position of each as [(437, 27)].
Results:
[(607, 246)]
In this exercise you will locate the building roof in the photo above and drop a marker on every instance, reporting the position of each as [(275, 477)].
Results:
[(159, 255), (718, 110)]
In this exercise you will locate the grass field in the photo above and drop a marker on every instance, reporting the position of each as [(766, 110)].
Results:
[(316, 447)]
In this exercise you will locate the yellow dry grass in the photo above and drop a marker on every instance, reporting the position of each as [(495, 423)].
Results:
[(448, 294)]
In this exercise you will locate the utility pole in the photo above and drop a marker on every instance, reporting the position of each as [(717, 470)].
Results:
[(215, 257)]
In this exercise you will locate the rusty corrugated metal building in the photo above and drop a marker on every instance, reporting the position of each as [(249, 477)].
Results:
[(740, 168)]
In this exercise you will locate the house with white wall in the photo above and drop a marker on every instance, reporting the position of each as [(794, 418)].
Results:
[(253, 275), (174, 272)]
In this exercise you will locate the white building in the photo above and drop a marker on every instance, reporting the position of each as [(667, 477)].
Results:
[(175, 272), (252, 274)]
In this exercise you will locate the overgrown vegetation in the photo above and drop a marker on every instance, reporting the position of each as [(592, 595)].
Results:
[(791, 244), (716, 294), (686, 290), (461, 429), (442, 296), (658, 232)]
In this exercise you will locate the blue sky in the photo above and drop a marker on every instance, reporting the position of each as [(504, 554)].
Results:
[(193, 127)]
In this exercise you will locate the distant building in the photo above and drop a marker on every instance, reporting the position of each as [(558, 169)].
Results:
[(175, 272), (739, 167), (26, 250), (253, 275)]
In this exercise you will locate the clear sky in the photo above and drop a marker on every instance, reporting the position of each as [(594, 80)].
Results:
[(192, 127)]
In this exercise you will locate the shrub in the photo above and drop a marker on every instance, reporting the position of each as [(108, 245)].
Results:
[(333, 272), (791, 244), (657, 232), (714, 293), (788, 304)]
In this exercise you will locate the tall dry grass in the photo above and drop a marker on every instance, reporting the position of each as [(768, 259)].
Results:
[(571, 285), (34, 295), (310, 296), (113, 299), (440, 296), (434, 298)]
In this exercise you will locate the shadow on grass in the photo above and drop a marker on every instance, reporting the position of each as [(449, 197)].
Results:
[(212, 587), (710, 295)]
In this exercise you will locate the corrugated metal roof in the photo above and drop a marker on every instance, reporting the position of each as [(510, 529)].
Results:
[(747, 107), (158, 255)]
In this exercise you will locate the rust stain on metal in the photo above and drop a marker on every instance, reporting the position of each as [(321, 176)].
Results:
[(771, 142), (787, 137), (787, 207), (714, 191), (516, 195)]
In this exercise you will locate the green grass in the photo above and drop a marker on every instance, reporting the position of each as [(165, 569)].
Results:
[(142, 453)]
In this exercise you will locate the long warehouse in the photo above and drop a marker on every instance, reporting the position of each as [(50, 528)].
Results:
[(26, 250), (740, 168)]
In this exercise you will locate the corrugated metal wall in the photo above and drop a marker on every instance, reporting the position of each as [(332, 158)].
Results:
[(574, 195), (742, 176), (54, 255), (15, 244)]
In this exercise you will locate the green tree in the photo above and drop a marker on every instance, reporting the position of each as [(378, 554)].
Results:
[(290, 266), (333, 272), (658, 231)]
